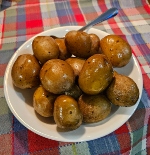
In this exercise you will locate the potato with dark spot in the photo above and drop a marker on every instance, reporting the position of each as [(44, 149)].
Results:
[(75, 92), (94, 107), (57, 76), (96, 74), (45, 48), (116, 49), (63, 54), (76, 63), (67, 114), (78, 43), (43, 102), (123, 91), (25, 71)]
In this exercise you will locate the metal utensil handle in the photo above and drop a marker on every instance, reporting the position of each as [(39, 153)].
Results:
[(106, 15)]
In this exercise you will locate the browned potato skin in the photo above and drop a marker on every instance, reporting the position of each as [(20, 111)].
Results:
[(96, 74), (43, 102), (76, 63), (95, 48), (94, 107), (25, 71), (63, 54), (67, 114), (123, 91), (45, 48), (57, 76), (78, 43), (116, 49)]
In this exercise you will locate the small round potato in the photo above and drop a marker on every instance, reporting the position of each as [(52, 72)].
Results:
[(57, 76), (25, 71), (67, 114), (94, 107), (45, 48), (116, 49), (43, 102), (122, 91), (63, 54), (96, 74), (78, 43), (76, 63)]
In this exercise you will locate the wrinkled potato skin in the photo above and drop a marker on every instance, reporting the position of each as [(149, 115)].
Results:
[(25, 71), (67, 114), (95, 48), (57, 76), (63, 54), (116, 49), (76, 63), (43, 102), (78, 43), (45, 48), (94, 107), (122, 91), (96, 74)]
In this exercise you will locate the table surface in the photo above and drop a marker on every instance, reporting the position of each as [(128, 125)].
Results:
[(22, 20)]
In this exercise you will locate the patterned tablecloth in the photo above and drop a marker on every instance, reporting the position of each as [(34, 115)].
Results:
[(27, 18)]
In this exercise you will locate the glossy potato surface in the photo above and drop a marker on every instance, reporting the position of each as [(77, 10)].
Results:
[(116, 49), (76, 63), (67, 114), (43, 102), (78, 43), (96, 74), (64, 53), (57, 76), (95, 47), (25, 71), (45, 48)]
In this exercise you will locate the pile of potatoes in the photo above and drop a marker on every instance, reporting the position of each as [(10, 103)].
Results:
[(75, 77)]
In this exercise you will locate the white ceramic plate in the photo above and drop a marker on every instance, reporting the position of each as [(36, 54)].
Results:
[(20, 101)]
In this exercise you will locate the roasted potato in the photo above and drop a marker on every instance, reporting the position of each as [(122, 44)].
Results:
[(122, 91), (95, 47), (96, 74), (43, 102), (82, 44), (94, 107), (57, 76), (76, 63), (45, 48), (63, 54), (78, 43), (116, 49), (25, 71), (67, 114)]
